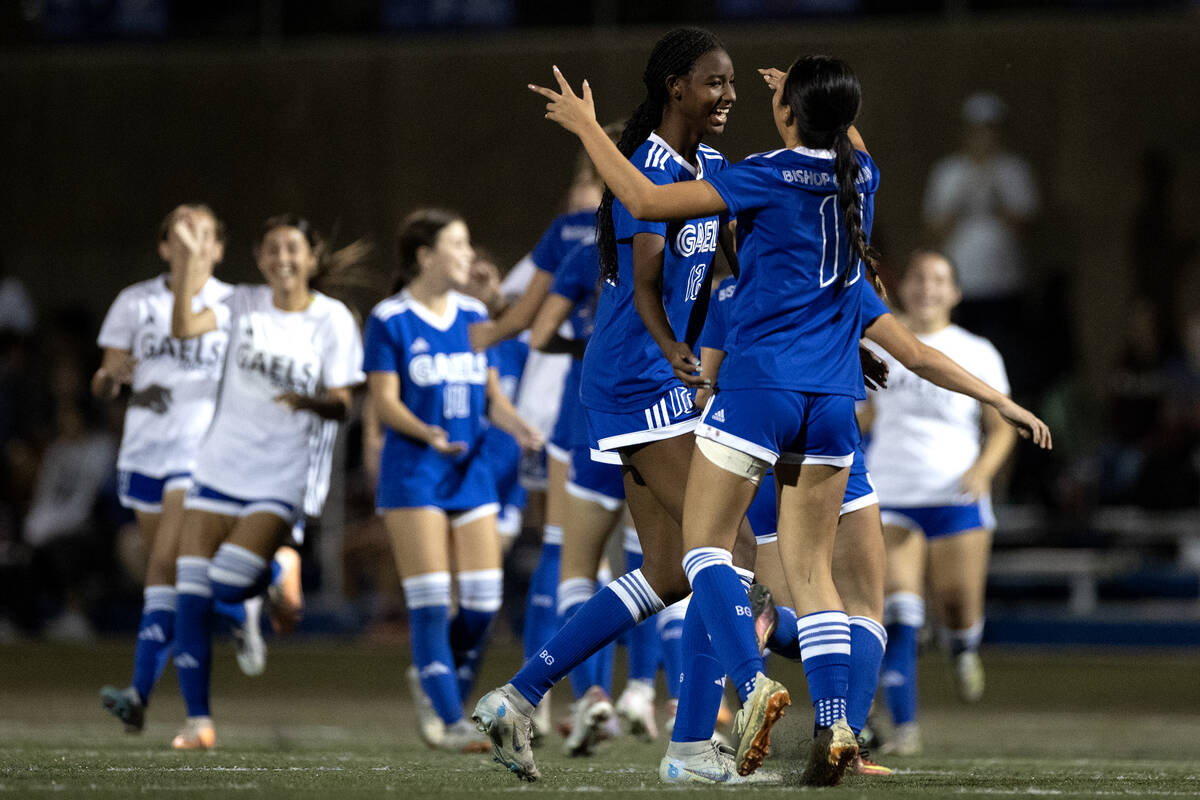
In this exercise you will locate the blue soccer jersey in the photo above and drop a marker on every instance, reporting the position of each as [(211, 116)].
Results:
[(624, 369), (565, 233), (444, 383), (716, 324), (795, 323)]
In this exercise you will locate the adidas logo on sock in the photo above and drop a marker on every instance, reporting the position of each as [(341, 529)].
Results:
[(719, 416), (436, 668), (152, 633), (186, 661)]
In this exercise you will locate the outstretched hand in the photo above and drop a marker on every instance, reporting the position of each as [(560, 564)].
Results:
[(1027, 424), (566, 108), (773, 77)]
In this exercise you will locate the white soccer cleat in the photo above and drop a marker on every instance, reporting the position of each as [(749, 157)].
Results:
[(196, 734), (709, 763), (752, 724), (498, 714), (543, 726), (636, 707), (588, 716), (968, 672), (463, 737), (248, 639), (904, 741), (429, 725)]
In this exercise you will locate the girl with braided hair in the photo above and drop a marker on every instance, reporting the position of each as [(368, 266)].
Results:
[(788, 390), (639, 376)]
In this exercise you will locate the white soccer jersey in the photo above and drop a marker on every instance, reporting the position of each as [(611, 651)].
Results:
[(140, 321), (924, 437), (257, 448)]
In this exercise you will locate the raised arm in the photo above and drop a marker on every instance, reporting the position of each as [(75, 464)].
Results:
[(550, 317), (186, 281), (939, 369), (517, 317), (639, 195)]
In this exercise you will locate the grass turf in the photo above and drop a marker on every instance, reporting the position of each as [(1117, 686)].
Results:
[(333, 719)]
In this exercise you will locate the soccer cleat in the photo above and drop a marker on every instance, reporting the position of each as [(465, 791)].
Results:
[(904, 741), (968, 671), (511, 731), (762, 609), (712, 764), (833, 750), (463, 737), (196, 734), (636, 707), (248, 639), (863, 764), (588, 717), (285, 595), (429, 725), (752, 724), (125, 705)]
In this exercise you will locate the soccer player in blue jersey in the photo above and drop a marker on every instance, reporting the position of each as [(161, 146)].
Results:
[(803, 215), (436, 492), (639, 376)]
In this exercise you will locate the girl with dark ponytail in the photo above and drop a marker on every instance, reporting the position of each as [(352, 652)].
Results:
[(637, 385), (789, 384)]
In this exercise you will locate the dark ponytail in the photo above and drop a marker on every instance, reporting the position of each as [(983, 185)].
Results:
[(673, 54), (824, 96), (338, 272)]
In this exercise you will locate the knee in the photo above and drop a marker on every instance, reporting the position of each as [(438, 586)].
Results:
[(237, 574)]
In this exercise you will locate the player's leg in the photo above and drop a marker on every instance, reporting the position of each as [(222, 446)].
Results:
[(480, 579), (636, 703), (201, 534), (957, 584), (903, 616)]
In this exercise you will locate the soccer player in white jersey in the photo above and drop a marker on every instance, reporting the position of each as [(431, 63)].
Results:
[(294, 357), (790, 386), (934, 455), (436, 491), (172, 393)]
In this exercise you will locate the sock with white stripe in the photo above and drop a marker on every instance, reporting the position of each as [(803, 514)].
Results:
[(966, 640), (613, 610), (785, 640), (903, 616), (541, 605), (573, 593), (237, 574), (606, 659), (480, 594), (428, 599), (720, 598), (193, 637), (670, 644), (868, 641), (156, 634), (642, 648), (825, 650), (702, 684)]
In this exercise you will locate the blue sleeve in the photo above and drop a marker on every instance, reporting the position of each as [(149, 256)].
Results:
[(626, 225), (743, 186), (872, 306), (576, 280), (381, 351), (716, 325), (547, 253)]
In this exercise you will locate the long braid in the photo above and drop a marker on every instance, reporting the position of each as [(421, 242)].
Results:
[(673, 54), (824, 96)]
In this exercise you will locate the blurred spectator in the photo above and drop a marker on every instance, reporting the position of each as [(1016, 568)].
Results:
[(978, 203)]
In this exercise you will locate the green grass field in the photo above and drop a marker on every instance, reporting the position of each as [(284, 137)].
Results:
[(333, 719)]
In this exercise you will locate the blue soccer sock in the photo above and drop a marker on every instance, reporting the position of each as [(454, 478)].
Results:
[(573, 593), (156, 634), (541, 605), (480, 594), (193, 637), (720, 598), (785, 640), (904, 614), (428, 598), (825, 650), (237, 574), (670, 644), (614, 609), (606, 658), (702, 686), (868, 641)]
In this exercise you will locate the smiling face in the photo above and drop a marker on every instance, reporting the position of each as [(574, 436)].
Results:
[(286, 259), (450, 256), (705, 95), (928, 290)]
